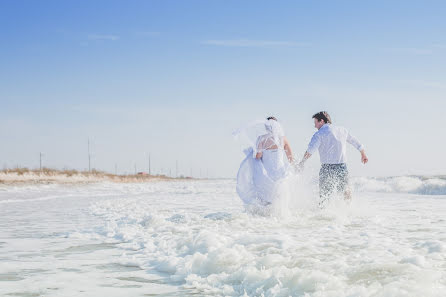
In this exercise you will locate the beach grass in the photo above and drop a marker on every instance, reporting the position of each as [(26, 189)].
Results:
[(52, 175)]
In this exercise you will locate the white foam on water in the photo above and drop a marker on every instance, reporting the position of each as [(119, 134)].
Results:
[(402, 184), (196, 238)]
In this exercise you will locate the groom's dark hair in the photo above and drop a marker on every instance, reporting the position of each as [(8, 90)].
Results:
[(271, 118), (322, 115)]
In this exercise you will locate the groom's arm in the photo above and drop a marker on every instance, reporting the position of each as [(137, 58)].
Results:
[(364, 158), (312, 147), (355, 142), (307, 156)]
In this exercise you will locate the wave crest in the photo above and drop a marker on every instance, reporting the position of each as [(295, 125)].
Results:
[(402, 184)]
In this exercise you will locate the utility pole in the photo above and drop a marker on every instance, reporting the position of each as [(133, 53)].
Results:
[(116, 169), (150, 169), (41, 161), (135, 168), (176, 169), (89, 157)]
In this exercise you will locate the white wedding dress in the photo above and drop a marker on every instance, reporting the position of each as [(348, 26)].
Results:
[(258, 180)]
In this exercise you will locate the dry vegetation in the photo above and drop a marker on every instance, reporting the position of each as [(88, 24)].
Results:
[(49, 175)]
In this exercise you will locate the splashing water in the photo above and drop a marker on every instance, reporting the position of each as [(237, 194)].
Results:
[(195, 238)]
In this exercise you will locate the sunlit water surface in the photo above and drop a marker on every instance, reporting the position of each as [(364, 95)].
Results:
[(195, 238)]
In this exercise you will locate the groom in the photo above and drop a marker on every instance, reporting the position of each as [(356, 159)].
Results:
[(331, 141)]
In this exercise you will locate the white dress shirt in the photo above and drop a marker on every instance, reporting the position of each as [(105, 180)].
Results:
[(332, 144)]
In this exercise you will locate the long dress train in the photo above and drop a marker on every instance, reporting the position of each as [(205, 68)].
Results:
[(258, 179)]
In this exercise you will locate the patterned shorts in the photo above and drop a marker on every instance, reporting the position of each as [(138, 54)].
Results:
[(332, 178)]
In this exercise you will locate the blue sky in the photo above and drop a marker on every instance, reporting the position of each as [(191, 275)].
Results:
[(174, 78)]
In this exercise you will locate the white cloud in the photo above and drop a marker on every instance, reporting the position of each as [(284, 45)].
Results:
[(103, 37), (253, 43)]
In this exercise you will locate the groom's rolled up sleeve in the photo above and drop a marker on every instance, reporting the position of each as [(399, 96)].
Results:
[(314, 144), (355, 142)]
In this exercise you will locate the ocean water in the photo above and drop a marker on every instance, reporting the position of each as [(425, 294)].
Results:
[(194, 238)]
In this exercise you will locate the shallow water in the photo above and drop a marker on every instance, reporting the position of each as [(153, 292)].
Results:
[(194, 238)]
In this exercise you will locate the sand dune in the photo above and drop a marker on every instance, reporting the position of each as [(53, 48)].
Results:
[(26, 176)]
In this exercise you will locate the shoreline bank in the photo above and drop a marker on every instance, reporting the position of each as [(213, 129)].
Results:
[(25, 176)]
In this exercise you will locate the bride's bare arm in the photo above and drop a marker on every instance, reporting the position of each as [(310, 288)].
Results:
[(260, 145), (287, 148)]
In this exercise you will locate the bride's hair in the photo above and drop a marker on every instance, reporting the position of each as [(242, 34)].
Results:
[(271, 118)]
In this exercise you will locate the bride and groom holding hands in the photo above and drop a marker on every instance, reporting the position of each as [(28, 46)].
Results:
[(270, 158)]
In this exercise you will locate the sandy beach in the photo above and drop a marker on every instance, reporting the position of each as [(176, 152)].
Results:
[(222, 148)]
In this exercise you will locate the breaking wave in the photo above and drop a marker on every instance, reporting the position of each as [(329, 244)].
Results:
[(423, 185)]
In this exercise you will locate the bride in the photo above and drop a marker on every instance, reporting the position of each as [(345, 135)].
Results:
[(265, 164)]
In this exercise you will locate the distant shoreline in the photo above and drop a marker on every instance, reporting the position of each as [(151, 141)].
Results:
[(24, 176)]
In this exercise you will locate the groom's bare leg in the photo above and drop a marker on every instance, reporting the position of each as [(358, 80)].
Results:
[(348, 194), (344, 183)]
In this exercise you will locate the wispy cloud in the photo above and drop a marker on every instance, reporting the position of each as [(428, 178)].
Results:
[(440, 46), (147, 33), (103, 37), (253, 43), (424, 83), (410, 50)]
